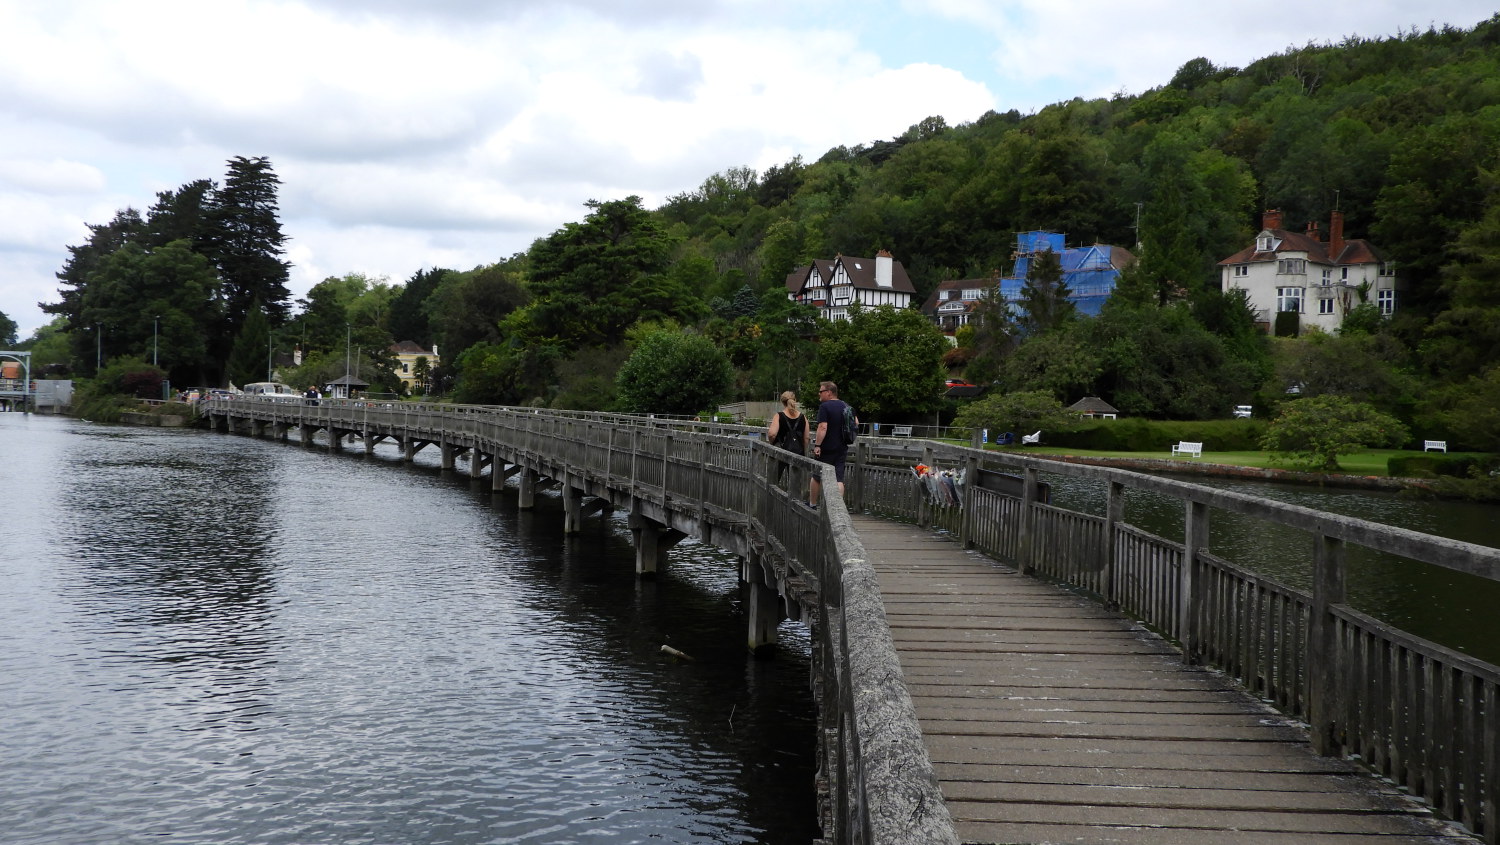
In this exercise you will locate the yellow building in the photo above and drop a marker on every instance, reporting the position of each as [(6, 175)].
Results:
[(407, 354)]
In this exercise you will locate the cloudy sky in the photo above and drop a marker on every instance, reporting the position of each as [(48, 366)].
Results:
[(452, 133)]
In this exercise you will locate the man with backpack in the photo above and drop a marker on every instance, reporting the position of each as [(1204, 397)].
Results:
[(835, 431)]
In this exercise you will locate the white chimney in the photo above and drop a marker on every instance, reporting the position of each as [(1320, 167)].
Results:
[(883, 265)]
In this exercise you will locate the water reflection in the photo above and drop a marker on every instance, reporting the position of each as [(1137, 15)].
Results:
[(1447, 607), (232, 640)]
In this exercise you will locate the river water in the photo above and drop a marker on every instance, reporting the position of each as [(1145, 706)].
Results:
[(210, 638)]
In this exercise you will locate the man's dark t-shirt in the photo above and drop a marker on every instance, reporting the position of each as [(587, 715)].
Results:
[(832, 412)]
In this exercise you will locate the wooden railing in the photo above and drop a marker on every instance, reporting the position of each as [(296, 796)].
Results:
[(1425, 716), (878, 784)]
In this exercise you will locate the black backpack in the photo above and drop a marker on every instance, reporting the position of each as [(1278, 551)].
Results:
[(851, 428)]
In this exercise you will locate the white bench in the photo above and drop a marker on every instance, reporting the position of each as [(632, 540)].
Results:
[(1186, 448), (1434, 446), (1031, 438), (901, 431)]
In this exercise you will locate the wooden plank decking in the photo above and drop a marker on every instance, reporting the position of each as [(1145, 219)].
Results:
[(1050, 719)]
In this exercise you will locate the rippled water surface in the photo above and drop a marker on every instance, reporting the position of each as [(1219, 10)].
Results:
[(212, 638)]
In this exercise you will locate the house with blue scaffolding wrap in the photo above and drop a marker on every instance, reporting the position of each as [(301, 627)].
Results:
[(1090, 273)]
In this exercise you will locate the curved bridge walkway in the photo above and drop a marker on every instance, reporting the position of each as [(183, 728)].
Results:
[(1050, 719), (962, 701)]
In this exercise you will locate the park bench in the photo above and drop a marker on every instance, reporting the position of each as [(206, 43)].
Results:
[(1027, 439), (1434, 446), (901, 431), (1186, 448)]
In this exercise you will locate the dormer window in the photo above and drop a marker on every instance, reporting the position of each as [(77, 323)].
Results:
[(1265, 243)]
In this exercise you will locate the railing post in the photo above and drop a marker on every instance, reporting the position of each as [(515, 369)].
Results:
[(1114, 514), (1027, 521), (1323, 671), (1190, 620), (924, 499), (966, 520)]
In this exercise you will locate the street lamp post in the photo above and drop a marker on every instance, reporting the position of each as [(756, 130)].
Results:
[(154, 321), (98, 349)]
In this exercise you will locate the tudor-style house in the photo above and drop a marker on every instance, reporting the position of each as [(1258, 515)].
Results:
[(832, 286), (406, 354), (1298, 272), (1090, 273)]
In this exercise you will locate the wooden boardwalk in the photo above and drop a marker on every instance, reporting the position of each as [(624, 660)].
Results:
[(1050, 719)]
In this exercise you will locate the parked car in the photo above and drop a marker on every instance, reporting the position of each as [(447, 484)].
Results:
[(1242, 412), (958, 382)]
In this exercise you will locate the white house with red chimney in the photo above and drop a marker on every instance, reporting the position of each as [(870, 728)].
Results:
[(1299, 272), (832, 286)]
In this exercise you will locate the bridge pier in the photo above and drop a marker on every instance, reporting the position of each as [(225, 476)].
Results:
[(762, 604), (499, 472), (279, 431), (305, 433), (477, 462), (572, 510), (652, 542), (450, 452)]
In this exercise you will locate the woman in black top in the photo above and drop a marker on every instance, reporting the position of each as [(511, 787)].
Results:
[(789, 427)]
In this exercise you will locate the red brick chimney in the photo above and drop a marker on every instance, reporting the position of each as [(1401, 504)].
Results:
[(1271, 219), (1335, 234), (1312, 231)]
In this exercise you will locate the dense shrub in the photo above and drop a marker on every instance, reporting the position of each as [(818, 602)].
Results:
[(1135, 434), (1432, 466)]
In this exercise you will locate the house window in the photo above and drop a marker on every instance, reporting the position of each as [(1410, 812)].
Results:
[(1386, 299), (953, 294), (1242, 269), (971, 293), (1291, 266), (1289, 299), (1263, 243), (1327, 276), (1344, 271), (1325, 305), (1388, 268)]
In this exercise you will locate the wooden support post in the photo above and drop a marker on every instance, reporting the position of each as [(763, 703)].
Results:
[(971, 481), (476, 462), (762, 605), (572, 513), (1114, 514), (450, 452), (652, 542), (370, 438), (1190, 620), (1024, 530), (305, 433), (526, 497), (1328, 590), (335, 440), (924, 500)]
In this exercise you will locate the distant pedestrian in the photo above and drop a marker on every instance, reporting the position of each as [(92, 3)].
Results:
[(830, 444)]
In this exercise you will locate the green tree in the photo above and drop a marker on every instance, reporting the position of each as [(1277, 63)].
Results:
[(152, 300), (593, 280), (673, 372), (245, 243), (1313, 431), (1466, 414), (887, 362), (8, 330), (1044, 303), (1020, 413), (249, 357), (409, 319), (479, 306)]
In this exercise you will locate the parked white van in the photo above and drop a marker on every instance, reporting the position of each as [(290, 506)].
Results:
[(1242, 412)]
